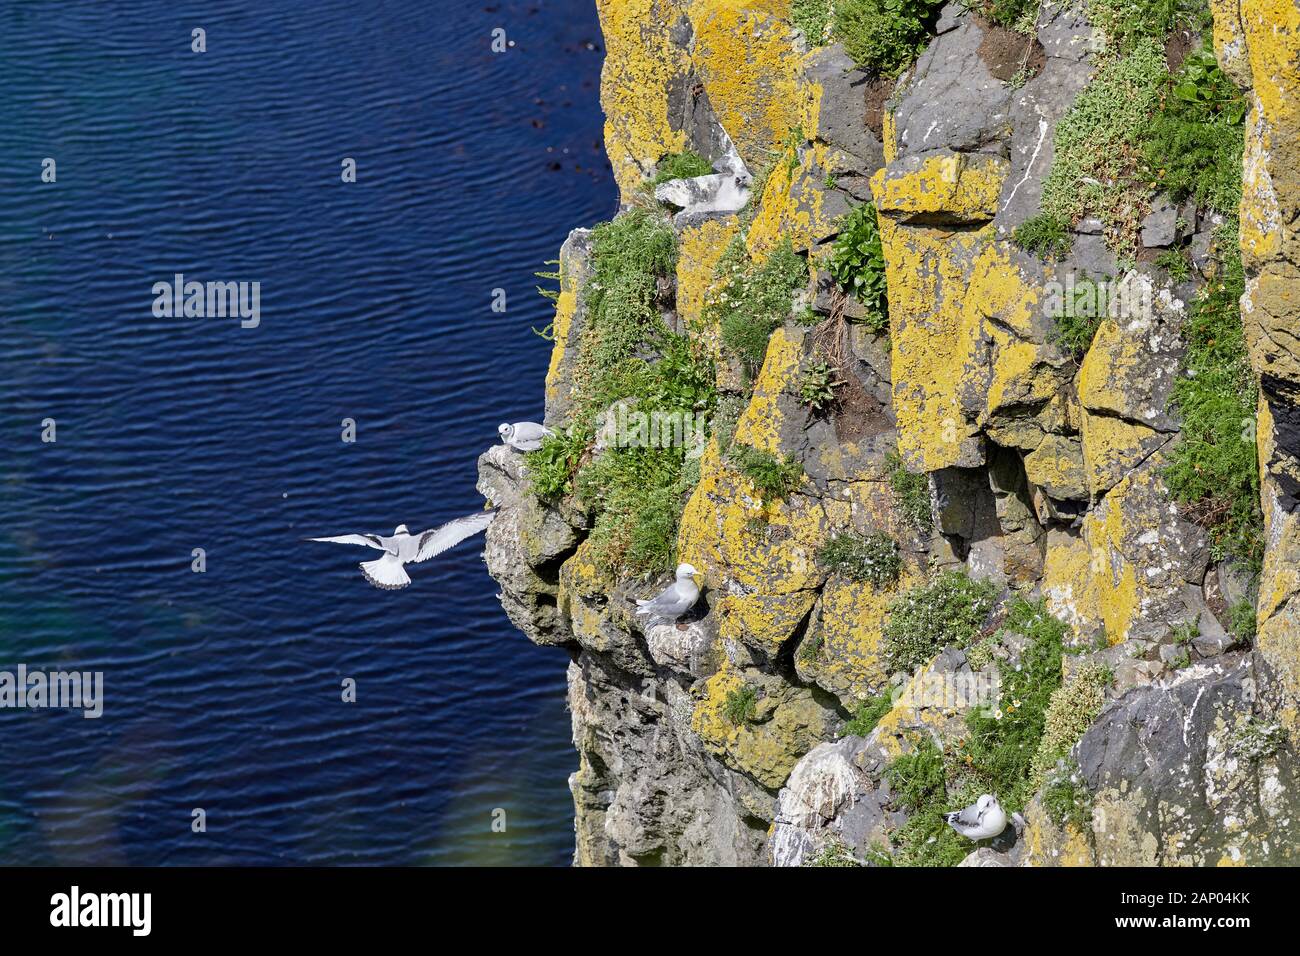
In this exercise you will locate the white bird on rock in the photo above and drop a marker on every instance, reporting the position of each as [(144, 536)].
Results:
[(676, 599), (523, 436), (983, 819), (402, 547)]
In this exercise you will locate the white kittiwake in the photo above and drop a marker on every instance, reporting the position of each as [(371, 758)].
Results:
[(676, 599), (402, 547), (523, 436), (981, 820)]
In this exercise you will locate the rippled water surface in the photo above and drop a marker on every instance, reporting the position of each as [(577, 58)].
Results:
[(222, 689)]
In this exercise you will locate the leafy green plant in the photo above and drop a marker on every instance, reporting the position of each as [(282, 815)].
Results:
[(1256, 740), (884, 36), (1018, 15), (1193, 144), (633, 495), (637, 495), (1241, 620), (817, 385), (774, 476), (1175, 263), (1212, 469), (998, 755), (750, 300), (684, 165), (857, 263), (834, 853), (1127, 23), (554, 276), (1070, 712), (949, 609), (873, 557), (740, 705), (911, 493), (868, 714), (629, 255), (918, 780), (1044, 235), (813, 18), (1075, 331), (551, 469)]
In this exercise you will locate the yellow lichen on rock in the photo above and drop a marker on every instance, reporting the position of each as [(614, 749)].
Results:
[(794, 204), (744, 55), (782, 724), (760, 424), (580, 579), (842, 652), (1115, 439), (936, 333), (566, 307), (1048, 845), (643, 64), (699, 247), (1070, 581), (958, 187), (925, 271)]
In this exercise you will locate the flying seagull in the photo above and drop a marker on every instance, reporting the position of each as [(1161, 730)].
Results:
[(981, 820), (523, 436), (676, 599), (402, 547)]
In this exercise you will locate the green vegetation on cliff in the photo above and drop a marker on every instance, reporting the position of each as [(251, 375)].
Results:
[(949, 609), (753, 299), (1213, 470), (884, 36), (857, 263), (774, 476), (636, 487), (1002, 751), (684, 165), (871, 557), (1097, 144), (867, 715), (1193, 144)]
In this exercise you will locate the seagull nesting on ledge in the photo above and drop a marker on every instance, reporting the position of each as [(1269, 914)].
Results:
[(523, 436), (981, 820), (675, 600), (402, 548)]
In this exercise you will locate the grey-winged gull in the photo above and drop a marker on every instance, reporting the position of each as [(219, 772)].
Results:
[(523, 436), (981, 820), (402, 547), (675, 600)]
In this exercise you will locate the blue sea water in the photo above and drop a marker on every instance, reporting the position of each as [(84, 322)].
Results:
[(223, 689)]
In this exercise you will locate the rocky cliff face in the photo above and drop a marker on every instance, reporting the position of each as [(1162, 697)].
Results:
[(963, 539)]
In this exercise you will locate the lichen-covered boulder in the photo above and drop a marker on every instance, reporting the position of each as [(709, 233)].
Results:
[(524, 544), (1185, 772), (766, 740)]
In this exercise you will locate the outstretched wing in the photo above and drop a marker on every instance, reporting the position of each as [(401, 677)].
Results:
[(369, 540), (452, 533)]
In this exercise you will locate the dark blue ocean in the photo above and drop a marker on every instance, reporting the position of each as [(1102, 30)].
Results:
[(222, 689)]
